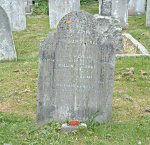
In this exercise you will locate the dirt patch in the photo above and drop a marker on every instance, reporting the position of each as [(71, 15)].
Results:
[(6, 107), (128, 47)]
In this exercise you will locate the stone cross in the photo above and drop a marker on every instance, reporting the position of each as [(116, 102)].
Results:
[(16, 13), (120, 11), (76, 69), (148, 14), (136, 7), (59, 8), (7, 49)]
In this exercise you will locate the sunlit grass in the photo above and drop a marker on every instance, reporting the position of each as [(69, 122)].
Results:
[(18, 92)]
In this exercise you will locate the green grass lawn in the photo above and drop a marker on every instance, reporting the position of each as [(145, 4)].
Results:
[(138, 30), (18, 90)]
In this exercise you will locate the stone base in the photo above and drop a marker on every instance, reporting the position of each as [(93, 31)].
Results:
[(67, 128)]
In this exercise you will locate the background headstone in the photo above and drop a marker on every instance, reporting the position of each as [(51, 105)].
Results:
[(59, 8), (120, 11), (76, 69), (100, 4), (106, 7), (16, 12), (7, 49), (28, 7), (137, 7), (148, 14)]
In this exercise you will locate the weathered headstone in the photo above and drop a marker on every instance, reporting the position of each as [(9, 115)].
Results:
[(115, 8), (16, 13), (59, 8), (120, 11), (106, 7), (148, 14), (76, 69), (7, 49), (137, 7), (28, 7)]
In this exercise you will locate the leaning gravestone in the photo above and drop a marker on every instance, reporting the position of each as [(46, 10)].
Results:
[(59, 8), (7, 49), (16, 13), (120, 11), (76, 69), (148, 14), (137, 7)]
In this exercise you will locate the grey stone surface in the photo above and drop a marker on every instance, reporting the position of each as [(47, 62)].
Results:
[(28, 7), (106, 7), (16, 13), (59, 8), (148, 14), (76, 69), (7, 49), (100, 4), (120, 11), (137, 7), (118, 44), (67, 128), (131, 55)]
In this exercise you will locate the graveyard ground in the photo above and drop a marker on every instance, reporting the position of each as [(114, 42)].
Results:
[(18, 90)]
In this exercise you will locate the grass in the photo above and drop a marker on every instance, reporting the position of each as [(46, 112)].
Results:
[(91, 6), (22, 130), (18, 90), (138, 29)]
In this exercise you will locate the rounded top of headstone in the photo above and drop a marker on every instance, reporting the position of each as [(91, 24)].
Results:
[(7, 49), (106, 29), (3, 15), (2, 11), (77, 21)]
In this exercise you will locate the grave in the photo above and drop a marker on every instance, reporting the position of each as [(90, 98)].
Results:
[(106, 7), (120, 11), (28, 7), (16, 13), (7, 49), (76, 69), (115, 8), (132, 48), (59, 8), (100, 4), (148, 14), (137, 7)]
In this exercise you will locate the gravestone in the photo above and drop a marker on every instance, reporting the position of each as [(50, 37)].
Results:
[(115, 8), (120, 11), (137, 7), (7, 49), (28, 7), (59, 8), (16, 13), (106, 7), (100, 4), (148, 14), (76, 69)]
